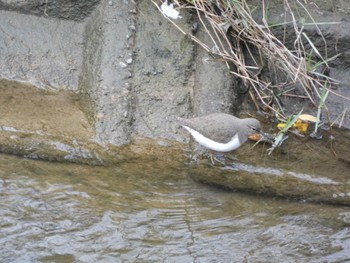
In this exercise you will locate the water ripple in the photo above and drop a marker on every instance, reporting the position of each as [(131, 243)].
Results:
[(52, 212)]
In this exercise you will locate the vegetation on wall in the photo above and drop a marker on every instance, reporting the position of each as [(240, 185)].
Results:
[(248, 46)]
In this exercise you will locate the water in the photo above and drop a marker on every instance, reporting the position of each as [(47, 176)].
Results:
[(51, 212)]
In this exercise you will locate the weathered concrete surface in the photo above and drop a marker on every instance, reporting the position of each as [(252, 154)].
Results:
[(215, 88), (25, 108), (68, 9), (43, 124), (132, 71), (48, 125), (44, 52), (105, 84), (161, 74)]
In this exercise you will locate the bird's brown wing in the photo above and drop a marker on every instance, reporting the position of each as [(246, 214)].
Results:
[(217, 127)]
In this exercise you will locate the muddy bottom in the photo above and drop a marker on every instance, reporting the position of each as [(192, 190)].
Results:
[(25, 108), (143, 212)]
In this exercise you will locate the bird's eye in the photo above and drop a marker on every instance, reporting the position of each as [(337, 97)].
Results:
[(255, 129)]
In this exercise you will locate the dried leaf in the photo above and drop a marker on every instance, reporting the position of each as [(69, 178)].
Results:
[(308, 117), (301, 126)]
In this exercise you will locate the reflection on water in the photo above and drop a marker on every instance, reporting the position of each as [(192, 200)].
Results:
[(53, 212)]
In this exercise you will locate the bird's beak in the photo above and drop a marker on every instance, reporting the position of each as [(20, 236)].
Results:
[(255, 137), (259, 135)]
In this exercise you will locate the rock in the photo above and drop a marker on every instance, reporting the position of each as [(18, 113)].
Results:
[(122, 65), (312, 171), (128, 61)]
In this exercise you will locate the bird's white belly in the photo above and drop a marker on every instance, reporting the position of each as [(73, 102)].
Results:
[(233, 144)]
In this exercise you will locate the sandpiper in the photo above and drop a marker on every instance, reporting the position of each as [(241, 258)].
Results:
[(219, 131)]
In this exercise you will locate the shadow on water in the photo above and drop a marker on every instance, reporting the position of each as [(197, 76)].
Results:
[(53, 212)]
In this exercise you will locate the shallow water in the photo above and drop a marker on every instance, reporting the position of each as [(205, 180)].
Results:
[(51, 212)]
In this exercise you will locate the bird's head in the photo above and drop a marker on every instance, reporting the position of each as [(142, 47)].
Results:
[(253, 126)]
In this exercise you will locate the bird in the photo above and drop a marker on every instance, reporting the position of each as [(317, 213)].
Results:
[(220, 132)]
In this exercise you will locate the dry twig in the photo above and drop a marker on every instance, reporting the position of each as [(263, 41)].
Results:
[(233, 30)]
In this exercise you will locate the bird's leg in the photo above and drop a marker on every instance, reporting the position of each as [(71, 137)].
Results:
[(221, 156), (214, 159), (231, 157), (211, 158), (194, 157)]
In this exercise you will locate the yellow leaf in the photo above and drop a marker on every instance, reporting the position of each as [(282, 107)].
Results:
[(301, 126), (280, 126)]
